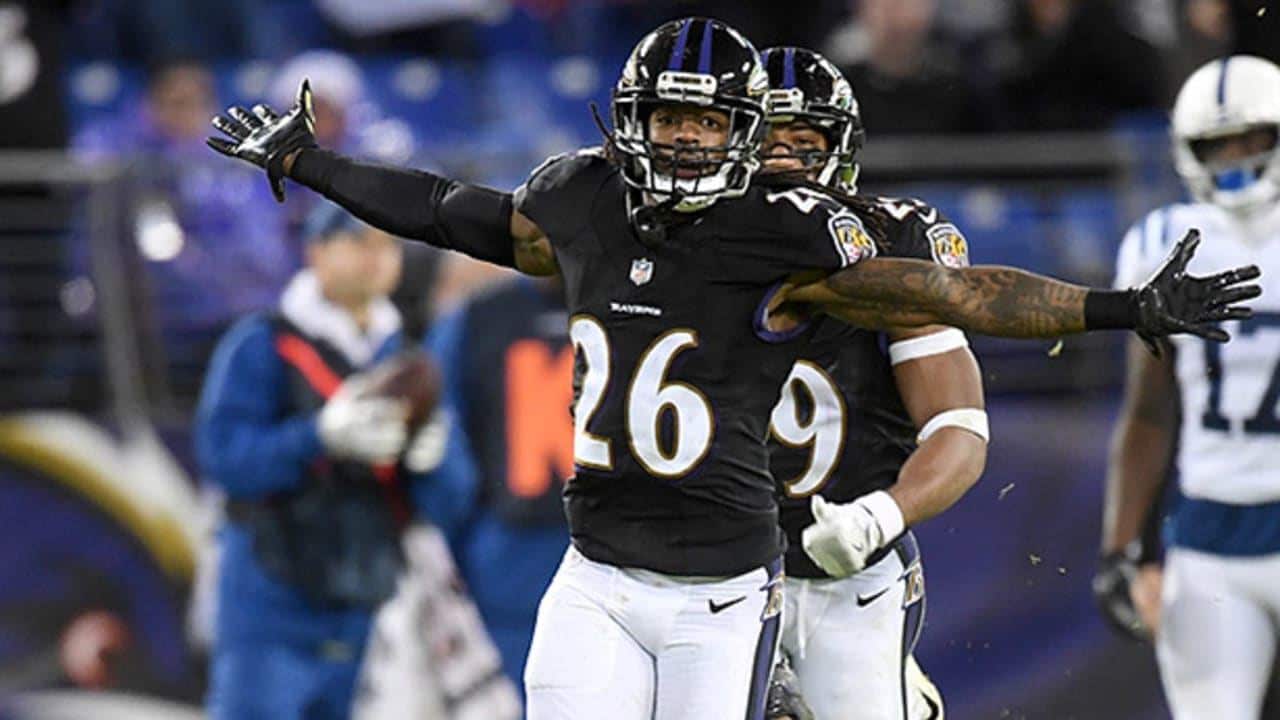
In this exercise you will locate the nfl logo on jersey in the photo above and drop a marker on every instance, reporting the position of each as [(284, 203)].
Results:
[(641, 271)]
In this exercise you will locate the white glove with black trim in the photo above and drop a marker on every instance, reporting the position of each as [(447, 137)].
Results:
[(427, 446), (843, 536), (354, 426)]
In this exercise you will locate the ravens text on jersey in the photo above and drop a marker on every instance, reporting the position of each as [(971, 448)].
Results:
[(676, 370)]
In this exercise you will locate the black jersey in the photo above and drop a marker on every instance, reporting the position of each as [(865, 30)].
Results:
[(674, 374), (840, 427)]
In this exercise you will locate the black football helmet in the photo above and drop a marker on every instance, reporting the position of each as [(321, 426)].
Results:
[(804, 86), (700, 62)]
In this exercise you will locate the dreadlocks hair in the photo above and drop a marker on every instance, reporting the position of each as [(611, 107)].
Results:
[(607, 144)]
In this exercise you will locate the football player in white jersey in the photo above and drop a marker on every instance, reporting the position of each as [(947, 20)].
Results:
[(1215, 621)]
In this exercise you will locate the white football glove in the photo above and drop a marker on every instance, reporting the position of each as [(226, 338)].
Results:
[(369, 429), (426, 448), (843, 536)]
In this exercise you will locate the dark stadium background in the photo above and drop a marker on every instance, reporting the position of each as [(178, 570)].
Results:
[(126, 247)]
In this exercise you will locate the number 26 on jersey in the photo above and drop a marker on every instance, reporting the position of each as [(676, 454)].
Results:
[(649, 396)]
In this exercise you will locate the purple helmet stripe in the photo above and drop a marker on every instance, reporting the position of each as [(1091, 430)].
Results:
[(704, 54), (677, 52), (1222, 83), (789, 68)]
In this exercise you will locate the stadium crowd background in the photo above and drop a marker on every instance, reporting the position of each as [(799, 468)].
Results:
[(127, 248)]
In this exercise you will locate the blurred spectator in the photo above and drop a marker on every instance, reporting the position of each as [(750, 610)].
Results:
[(1205, 32), (210, 233), (321, 480), (905, 81), (509, 365), (337, 85), (347, 120), (1076, 65)]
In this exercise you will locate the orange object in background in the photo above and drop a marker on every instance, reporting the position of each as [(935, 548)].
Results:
[(539, 428)]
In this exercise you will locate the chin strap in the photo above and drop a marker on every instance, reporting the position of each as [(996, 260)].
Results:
[(651, 221)]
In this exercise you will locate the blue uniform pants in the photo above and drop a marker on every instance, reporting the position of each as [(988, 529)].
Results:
[(282, 682)]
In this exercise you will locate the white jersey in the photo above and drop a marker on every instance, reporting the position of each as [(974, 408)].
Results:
[(1230, 438)]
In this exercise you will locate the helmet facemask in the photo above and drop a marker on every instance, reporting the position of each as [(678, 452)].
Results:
[(1240, 183), (692, 176), (835, 167)]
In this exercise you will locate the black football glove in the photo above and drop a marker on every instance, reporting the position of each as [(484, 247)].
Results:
[(784, 699), (265, 138), (1111, 584), (1171, 301)]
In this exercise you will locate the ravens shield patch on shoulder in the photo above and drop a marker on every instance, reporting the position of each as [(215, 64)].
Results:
[(948, 246), (851, 238)]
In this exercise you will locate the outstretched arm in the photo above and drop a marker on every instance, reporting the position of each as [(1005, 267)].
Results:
[(1008, 302), (884, 292), (414, 204), (419, 205)]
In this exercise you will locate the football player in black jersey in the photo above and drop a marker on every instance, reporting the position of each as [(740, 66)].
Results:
[(677, 268), (845, 435)]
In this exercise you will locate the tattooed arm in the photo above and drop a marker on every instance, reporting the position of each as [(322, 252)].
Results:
[(1007, 302), (883, 292)]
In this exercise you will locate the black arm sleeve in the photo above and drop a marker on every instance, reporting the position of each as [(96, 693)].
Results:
[(415, 204)]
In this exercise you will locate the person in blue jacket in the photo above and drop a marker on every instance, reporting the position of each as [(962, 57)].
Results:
[(320, 480), (508, 363)]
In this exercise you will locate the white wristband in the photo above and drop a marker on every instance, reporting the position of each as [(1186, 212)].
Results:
[(926, 345), (885, 510), (971, 419)]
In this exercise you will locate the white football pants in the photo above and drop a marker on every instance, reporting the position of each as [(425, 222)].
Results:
[(1217, 638), (850, 641), (629, 644)]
